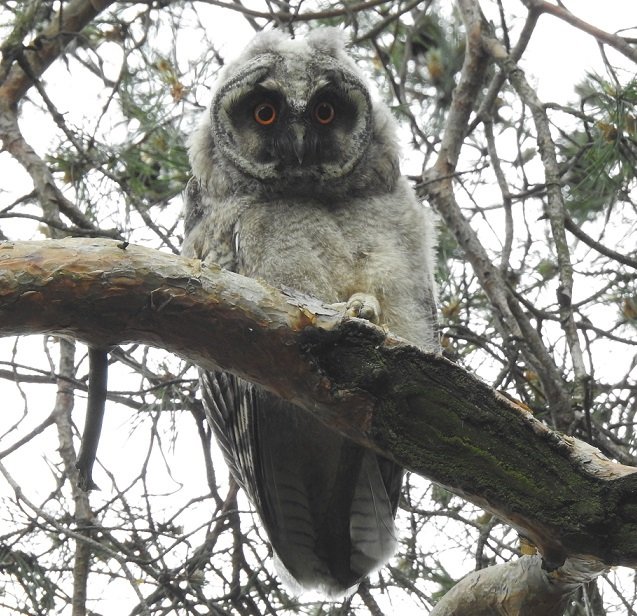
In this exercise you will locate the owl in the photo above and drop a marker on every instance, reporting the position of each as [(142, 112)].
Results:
[(296, 182)]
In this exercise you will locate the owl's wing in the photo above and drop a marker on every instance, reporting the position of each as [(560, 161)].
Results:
[(195, 208), (204, 237), (229, 404)]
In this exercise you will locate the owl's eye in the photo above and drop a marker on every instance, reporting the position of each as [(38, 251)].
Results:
[(265, 114), (324, 113)]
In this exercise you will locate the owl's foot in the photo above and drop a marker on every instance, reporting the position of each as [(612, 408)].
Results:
[(363, 306)]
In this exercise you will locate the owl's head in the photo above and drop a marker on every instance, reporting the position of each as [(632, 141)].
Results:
[(294, 114)]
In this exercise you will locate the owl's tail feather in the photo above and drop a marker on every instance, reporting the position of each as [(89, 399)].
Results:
[(292, 531), (354, 537), (371, 520), (326, 503)]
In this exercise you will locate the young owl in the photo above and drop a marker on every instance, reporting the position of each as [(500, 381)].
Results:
[(296, 182)]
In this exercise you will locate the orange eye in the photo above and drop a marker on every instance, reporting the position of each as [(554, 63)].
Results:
[(324, 113), (265, 114)]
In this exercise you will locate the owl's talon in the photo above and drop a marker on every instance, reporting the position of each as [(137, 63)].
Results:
[(363, 306)]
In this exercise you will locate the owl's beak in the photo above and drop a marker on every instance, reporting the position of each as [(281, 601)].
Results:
[(297, 137)]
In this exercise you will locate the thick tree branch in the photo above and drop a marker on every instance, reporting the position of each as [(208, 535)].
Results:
[(417, 408), (522, 587)]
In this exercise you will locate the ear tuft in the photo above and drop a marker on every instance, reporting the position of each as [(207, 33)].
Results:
[(265, 41), (328, 40)]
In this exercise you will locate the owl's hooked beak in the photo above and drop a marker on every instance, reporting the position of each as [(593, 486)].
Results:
[(297, 138)]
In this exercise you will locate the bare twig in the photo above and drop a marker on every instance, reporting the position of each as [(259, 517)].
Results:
[(48, 46), (51, 199), (513, 323), (558, 10), (555, 210), (574, 228), (286, 16)]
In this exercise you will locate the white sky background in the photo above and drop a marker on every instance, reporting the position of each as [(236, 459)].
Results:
[(557, 58)]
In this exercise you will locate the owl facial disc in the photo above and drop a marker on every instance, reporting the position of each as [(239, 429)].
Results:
[(278, 119)]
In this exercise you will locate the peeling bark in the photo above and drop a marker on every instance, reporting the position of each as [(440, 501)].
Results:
[(521, 587)]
